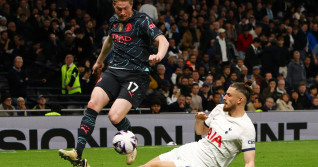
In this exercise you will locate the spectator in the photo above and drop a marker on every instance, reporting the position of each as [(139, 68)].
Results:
[(251, 57), (155, 107), (226, 73), (217, 97), (70, 77), (205, 62), (41, 105), (256, 75), (223, 49), (296, 71), (3, 24), (270, 58), (244, 76), (297, 105), (150, 10), (303, 97), (7, 105), (270, 91), (233, 78), (18, 79), (161, 75), (301, 40), (191, 36), (83, 46), (255, 106), (231, 33), (239, 65), (68, 45), (192, 62), (177, 73), (52, 50), (188, 101), (5, 42), (244, 40), (86, 82), (102, 34), (173, 33), (269, 105), (196, 76), (284, 103), (153, 85), (178, 106), (196, 103), (174, 95), (280, 89), (314, 103), (21, 104), (206, 95), (284, 56), (269, 11), (312, 92), (309, 68), (173, 50)]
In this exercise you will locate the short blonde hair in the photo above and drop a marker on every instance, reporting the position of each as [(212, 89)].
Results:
[(20, 99)]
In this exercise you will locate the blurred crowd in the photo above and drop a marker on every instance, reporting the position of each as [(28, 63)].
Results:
[(212, 44)]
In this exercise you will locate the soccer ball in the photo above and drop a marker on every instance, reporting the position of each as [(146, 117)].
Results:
[(124, 142)]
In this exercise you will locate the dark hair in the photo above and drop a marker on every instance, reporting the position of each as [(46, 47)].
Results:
[(244, 88)]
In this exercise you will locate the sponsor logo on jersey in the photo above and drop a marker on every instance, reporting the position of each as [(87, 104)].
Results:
[(151, 26), (120, 27), (214, 137), (251, 142), (121, 38), (128, 27)]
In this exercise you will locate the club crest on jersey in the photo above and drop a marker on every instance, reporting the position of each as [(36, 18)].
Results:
[(120, 27), (128, 27), (151, 26)]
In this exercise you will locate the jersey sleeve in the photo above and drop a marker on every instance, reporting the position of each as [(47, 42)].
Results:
[(248, 139), (150, 28), (212, 114)]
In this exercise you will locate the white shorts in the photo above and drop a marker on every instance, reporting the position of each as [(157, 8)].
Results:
[(173, 157), (182, 156)]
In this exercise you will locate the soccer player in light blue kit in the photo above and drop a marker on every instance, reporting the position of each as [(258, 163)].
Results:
[(229, 131), (126, 79)]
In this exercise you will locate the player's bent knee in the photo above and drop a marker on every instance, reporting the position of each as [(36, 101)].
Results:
[(92, 104), (114, 118)]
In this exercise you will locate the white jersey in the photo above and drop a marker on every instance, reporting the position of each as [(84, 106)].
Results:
[(227, 137)]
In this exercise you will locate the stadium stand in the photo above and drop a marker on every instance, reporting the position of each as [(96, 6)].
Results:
[(43, 32)]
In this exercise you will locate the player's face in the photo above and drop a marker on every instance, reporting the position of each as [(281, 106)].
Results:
[(231, 98), (123, 10)]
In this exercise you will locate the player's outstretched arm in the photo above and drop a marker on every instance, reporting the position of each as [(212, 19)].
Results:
[(200, 128), (249, 158), (106, 49), (162, 50)]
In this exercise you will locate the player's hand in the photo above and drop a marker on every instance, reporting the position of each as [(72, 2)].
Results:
[(201, 116), (97, 68), (153, 59)]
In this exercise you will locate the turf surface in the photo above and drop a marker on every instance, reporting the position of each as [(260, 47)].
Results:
[(268, 154)]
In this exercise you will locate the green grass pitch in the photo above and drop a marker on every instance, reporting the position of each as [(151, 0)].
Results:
[(268, 154)]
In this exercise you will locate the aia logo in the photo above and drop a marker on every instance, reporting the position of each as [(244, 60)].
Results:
[(214, 137), (128, 27), (151, 26)]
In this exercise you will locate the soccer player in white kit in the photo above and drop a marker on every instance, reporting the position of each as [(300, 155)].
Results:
[(229, 131)]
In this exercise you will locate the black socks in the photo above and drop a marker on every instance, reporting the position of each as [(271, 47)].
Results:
[(124, 124), (87, 127)]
